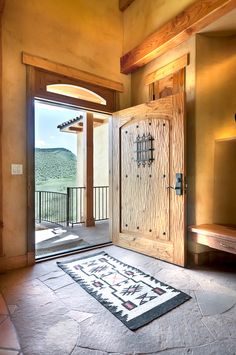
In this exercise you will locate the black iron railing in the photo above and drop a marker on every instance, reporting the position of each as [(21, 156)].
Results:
[(100, 202), (51, 207), (68, 209)]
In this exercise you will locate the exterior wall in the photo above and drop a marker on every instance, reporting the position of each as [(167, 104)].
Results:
[(83, 34), (100, 156), (144, 17)]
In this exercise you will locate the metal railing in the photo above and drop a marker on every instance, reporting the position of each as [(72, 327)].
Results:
[(75, 205), (100, 202), (51, 207), (67, 209)]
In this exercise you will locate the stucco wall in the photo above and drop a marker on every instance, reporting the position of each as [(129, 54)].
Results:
[(215, 110), (83, 34), (144, 17), (100, 156)]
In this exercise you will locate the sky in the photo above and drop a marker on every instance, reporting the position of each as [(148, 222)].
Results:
[(47, 135)]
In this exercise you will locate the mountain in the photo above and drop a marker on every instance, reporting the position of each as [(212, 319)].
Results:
[(54, 163)]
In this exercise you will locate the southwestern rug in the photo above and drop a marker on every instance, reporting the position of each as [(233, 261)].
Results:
[(134, 297)]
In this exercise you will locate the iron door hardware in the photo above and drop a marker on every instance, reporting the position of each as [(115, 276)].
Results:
[(178, 184)]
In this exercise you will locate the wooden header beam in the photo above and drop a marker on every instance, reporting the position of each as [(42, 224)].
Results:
[(70, 72), (197, 16)]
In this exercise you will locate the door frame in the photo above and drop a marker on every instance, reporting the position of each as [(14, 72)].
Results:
[(33, 92)]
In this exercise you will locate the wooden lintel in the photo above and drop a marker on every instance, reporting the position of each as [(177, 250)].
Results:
[(190, 21), (123, 4), (168, 69), (70, 72)]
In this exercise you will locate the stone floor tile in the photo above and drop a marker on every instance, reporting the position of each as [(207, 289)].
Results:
[(55, 282), (180, 280), (81, 351), (8, 337), (8, 352), (2, 317), (222, 325), (212, 303), (3, 306), (76, 298), (79, 316)]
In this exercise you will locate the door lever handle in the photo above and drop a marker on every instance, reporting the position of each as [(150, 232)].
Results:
[(171, 187), (179, 184)]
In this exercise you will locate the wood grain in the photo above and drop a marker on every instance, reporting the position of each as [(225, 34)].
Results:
[(70, 72), (143, 201), (215, 236), (197, 16), (1, 187), (168, 69)]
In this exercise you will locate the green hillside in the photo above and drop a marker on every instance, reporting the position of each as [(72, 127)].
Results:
[(55, 169)]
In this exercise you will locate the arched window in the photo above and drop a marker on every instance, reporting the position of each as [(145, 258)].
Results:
[(77, 92)]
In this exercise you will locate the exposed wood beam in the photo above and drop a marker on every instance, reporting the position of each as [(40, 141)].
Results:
[(123, 4), (197, 16), (70, 72)]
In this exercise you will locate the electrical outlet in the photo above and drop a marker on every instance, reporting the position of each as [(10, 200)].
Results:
[(16, 169)]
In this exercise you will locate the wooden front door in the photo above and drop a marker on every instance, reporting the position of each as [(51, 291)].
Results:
[(148, 173)]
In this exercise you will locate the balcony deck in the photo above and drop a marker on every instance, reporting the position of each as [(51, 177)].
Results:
[(52, 239)]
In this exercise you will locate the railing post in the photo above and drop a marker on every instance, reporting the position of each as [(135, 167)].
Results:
[(67, 206), (40, 207)]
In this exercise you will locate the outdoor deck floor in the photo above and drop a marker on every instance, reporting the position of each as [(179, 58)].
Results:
[(51, 238)]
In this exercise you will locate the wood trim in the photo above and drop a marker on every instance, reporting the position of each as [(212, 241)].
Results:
[(70, 72), (197, 16), (168, 69), (30, 91), (16, 262), (123, 4), (1, 187), (88, 168)]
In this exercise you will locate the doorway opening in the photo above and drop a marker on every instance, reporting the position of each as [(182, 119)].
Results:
[(60, 193)]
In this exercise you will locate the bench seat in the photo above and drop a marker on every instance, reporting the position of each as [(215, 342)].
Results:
[(215, 236)]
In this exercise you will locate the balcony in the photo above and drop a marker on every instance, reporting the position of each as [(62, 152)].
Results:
[(59, 220)]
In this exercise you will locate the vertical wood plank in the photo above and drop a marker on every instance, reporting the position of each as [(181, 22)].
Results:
[(30, 87), (1, 211), (88, 168)]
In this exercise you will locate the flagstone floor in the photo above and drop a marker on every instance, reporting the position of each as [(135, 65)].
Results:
[(43, 311)]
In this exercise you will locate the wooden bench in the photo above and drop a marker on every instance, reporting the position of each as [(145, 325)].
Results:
[(216, 236)]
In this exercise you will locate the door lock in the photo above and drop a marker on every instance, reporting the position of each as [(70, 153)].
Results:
[(178, 184)]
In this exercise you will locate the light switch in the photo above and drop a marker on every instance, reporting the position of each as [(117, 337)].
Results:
[(16, 169)]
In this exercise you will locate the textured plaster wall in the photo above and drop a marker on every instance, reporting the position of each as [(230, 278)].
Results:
[(87, 35), (144, 17), (215, 110)]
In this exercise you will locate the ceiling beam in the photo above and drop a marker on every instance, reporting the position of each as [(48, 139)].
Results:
[(197, 16), (76, 129), (123, 4)]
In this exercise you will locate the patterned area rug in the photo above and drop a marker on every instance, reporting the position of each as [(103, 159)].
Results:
[(131, 295)]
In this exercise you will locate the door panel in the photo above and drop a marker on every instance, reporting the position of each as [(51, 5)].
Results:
[(147, 215)]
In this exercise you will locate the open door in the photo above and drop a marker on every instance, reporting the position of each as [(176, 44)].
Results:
[(148, 179)]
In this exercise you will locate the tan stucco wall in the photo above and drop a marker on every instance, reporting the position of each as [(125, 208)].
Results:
[(144, 17), (83, 34), (100, 156), (215, 110)]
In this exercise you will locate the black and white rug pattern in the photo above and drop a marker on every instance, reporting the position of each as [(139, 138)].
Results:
[(131, 295)]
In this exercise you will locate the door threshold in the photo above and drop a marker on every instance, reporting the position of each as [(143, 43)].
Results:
[(70, 252)]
